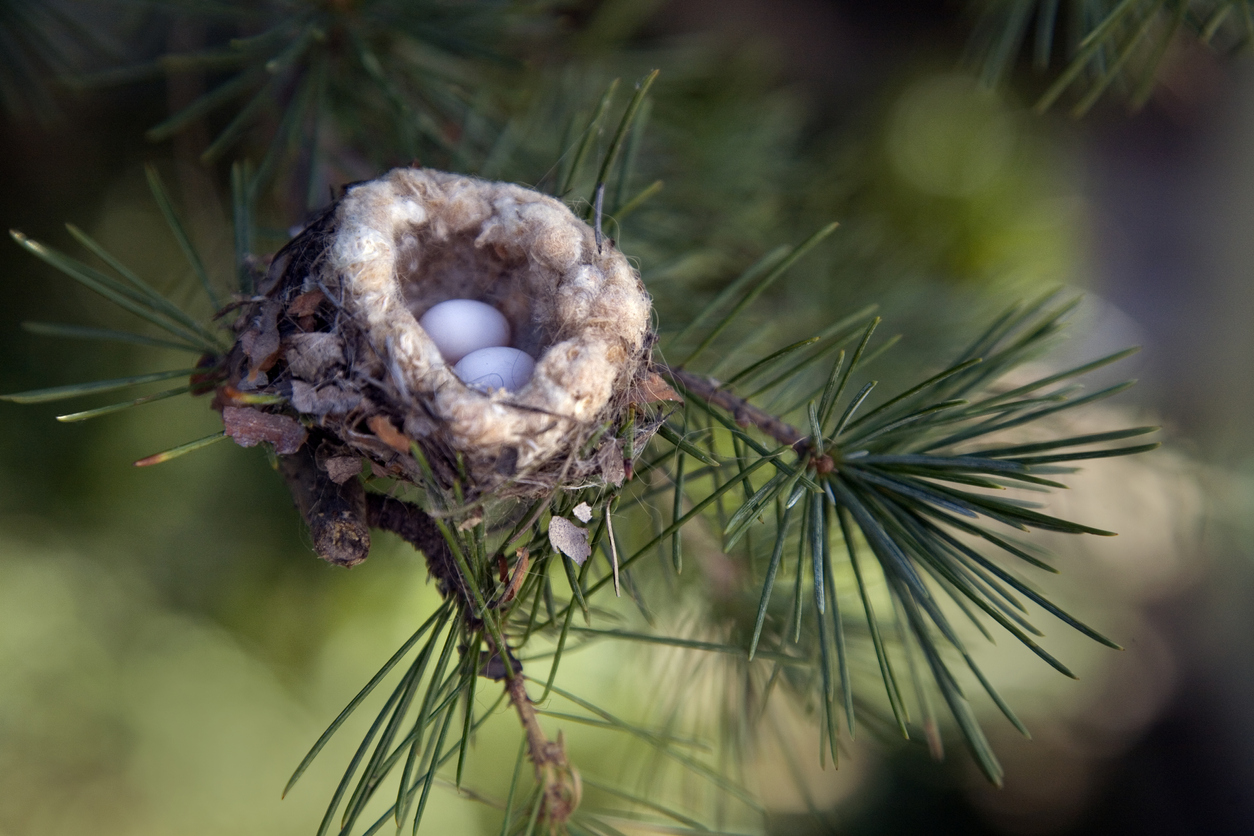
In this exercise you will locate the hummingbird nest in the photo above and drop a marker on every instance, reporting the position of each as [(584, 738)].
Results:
[(330, 360)]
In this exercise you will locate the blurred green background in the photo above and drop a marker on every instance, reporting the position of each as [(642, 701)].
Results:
[(170, 646)]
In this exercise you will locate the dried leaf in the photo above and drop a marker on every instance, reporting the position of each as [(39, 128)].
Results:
[(569, 539), (610, 458), (260, 341), (342, 468), (310, 355), (388, 434), (583, 511), (516, 580), (654, 389), (325, 400), (306, 303), (249, 427)]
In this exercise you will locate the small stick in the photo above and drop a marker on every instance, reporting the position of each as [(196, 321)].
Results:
[(562, 787), (334, 513), (599, 200), (745, 413), (609, 529), (415, 526), (741, 410)]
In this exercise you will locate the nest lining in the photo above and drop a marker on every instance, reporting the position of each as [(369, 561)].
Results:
[(394, 247)]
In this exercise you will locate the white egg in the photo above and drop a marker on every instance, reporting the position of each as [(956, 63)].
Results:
[(460, 326), (495, 368)]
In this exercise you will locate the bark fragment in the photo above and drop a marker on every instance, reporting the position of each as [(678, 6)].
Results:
[(249, 427), (335, 514)]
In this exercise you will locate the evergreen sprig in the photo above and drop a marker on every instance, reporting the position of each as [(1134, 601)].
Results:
[(914, 485), (42, 44), (1107, 44), (312, 80)]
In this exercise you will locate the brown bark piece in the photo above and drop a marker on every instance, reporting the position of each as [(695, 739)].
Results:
[(249, 427), (310, 355), (335, 514), (332, 399)]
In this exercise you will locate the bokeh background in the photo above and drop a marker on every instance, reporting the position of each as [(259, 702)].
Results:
[(170, 646)]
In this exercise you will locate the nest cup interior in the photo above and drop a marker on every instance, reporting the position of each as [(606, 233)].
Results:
[(431, 270)]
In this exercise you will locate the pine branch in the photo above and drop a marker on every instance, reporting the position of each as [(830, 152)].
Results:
[(897, 478), (415, 526), (740, 410), (903, 488), (1118, 43), (561, 787), (416, 70), (906, 482)]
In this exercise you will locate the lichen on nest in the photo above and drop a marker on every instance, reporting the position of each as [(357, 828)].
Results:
[(332, 341)]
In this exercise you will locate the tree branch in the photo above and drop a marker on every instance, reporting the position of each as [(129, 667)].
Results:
[(560, 781), (415, 526), (743, 412)]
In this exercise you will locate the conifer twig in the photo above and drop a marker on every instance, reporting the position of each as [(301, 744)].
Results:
[(743, 412), (561, 784), (746, 414)]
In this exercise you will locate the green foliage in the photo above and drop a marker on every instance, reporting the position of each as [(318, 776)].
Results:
[(913, 483), (41, 43), (302, 83), (886, 516), (908, 483), (1105, 43)]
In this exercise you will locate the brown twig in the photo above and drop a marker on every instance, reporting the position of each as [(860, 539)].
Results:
[(415, 526), (338, 515), (746, 414), (334, 513), (743, 412), (562, 786), (560, 780)]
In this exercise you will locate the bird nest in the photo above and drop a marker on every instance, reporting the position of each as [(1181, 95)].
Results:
[(331, 360)]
